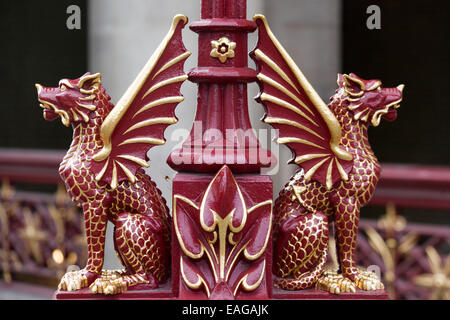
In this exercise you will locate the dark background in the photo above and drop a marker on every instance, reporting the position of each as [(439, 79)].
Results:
[(36, 47), (411, 48)]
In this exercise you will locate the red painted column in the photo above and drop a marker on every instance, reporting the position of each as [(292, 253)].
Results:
[(222, 133), (221, 232)]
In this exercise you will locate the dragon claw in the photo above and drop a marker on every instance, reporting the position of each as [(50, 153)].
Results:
[(108, 287), (367, 280), (111, 282), (74, 280), (335, 283)]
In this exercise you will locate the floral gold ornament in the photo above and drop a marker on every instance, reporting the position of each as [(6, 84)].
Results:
[(103, 172), (338, 173), (222, 49), (389, 249), (438, 281), (221, 232), (33, 235), (57, 216), (36, 234)]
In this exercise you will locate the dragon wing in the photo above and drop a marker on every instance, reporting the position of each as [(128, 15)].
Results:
[(139, 119), (305, 123)]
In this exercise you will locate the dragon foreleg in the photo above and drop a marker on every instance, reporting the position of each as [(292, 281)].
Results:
[(95, 218)]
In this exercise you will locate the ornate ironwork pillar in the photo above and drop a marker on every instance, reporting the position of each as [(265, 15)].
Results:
[(222, 132), (221, 219)]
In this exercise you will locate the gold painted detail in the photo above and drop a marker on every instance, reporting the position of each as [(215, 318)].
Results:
[(193, 285), (250, 287), (326, 114), (222, 248), (143, 140), (298, 190), (95, 80), (137, 160), (165, 83), (222, 49), (287, 105), (32, 234), (275, 67), (149, 122), (172, 62), (156, 103), (117, 113), (391, 223), (335, 283), (298, 140), (439, 278)]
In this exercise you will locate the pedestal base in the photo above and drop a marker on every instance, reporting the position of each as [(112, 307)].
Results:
[(164, 292), (313, 294)]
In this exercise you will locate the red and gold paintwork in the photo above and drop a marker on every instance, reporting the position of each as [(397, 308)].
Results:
[(339, 170), (222, 219), (223, 231), (222, 214), (102, 169)]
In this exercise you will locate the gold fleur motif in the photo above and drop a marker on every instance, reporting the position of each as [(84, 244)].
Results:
[(225, 237), (222, 49)]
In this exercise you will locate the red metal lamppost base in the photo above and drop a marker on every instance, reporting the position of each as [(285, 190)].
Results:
[(222, 236), (219, 238), (221, 220)]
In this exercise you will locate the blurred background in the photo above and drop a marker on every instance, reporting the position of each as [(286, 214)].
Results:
[(405, 231)]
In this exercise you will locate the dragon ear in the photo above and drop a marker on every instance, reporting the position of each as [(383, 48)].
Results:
[(353, 85), (89, 82)]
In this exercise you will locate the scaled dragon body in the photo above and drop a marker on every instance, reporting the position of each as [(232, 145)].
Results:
[(338, 173), (102, 169)]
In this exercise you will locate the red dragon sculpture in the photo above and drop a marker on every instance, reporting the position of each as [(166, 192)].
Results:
[(338, 171), (102, 169)]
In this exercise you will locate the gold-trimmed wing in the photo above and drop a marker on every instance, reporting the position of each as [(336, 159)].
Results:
[(305, 123), (140, 117)]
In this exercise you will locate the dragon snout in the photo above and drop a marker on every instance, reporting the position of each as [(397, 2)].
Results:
[(47, 102), (394, 96)]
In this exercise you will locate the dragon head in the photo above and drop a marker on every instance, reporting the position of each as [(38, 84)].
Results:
[(368, 100), (72, 100)]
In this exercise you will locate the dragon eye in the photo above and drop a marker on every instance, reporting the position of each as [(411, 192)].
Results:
[(379, 88), (63, 88)]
